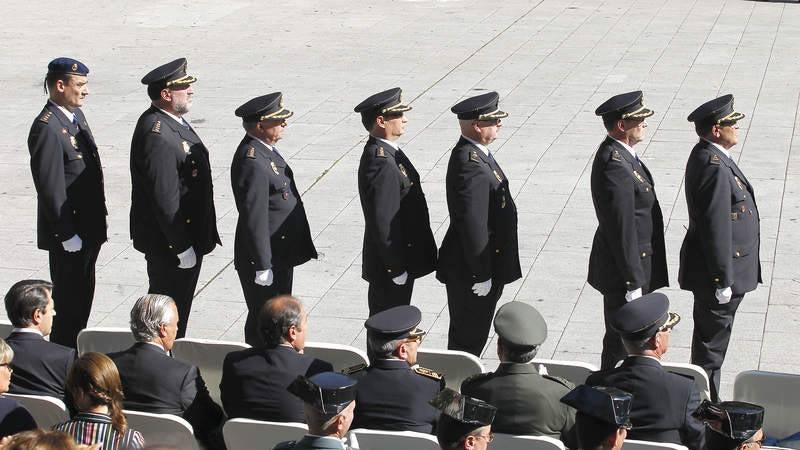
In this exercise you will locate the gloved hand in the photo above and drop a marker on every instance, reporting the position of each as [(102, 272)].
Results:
[(482, 289), (724, 295), (188, 259), (73, 244), (400, 279), (633, 295), (264, 277)]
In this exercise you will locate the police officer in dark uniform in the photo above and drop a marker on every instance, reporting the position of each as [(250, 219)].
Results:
[(527, 402), (398, 241), (464, 422), (480, 253), (732, 425), (71, 211), (628, 257), (603, 417), (393, 392), (272, 233), (720, 254), (173, 221)]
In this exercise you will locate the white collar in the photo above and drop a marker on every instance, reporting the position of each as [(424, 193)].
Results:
[(626, 146), (269, 146), (70, 115), (28, 330), (387, 142), (180, 120), (483, 148), (719, 147)]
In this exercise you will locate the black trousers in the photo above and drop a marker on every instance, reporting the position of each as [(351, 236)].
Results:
[(167, 279), (613, 350), (73, 276), (713, 324), (470, 317), (256, 295), (383, 295)]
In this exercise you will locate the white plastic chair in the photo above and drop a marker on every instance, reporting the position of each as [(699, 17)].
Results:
[(5, 328), (163, 429), (633, 444), (208, 355), (392, 440), (46, 410), (514, 442), (574, 371), (339, 355), (696, 372), (778, 393), (104, 339), (248, 434), (455, 365)]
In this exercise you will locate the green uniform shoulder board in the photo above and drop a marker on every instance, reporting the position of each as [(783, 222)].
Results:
[(46, 116), (428, 373), (156, 127), (615, 155), (562, 381), (354, 369), (251, 152), (714, 159), (380, 152), (473, 156)]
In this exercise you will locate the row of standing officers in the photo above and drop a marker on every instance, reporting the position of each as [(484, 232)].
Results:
[(173, 220)]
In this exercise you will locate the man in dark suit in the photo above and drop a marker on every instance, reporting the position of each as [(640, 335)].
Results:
[(40, 367), (173, 221), (272, 233), (398, 241), (628, 257), (393, 392), (254, 381), (527, 402), (720, 253), (152, 381), (663, 402), (480, 253), (603, 416), (72, 211)]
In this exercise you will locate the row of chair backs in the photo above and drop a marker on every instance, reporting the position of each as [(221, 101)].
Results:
[(5, 328), (778, 393), (46, 410), (248, 434)]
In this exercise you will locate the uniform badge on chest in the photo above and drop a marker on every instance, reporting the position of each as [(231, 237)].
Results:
[(74, 142), (498, 176), (274, 167), (638, 176), (402, 169), (186, 147), (739, 183)]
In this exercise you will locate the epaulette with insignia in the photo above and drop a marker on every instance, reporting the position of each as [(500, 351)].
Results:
[(156, 127), (473, 156), (251, 152), (428, 373), (354, 369), (562, 381), (714, 159), (615, 155), (46, 116), (380, 152)]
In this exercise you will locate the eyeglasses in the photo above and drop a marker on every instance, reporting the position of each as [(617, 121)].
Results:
[(760, 442)]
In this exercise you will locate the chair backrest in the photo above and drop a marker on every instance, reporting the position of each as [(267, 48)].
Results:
[(208, 355), (162, 429), (46, 410), (514, 442), (696, 372), (455, 365), (248, 434), (574, 371), (104, 339), (5, 328), (392, 440), (341, 356), (778, 393), (633, 444)]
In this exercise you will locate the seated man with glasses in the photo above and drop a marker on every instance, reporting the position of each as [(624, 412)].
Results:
[(465, 423), (603, 417), (732, 425), (393, 392), (663, 402)]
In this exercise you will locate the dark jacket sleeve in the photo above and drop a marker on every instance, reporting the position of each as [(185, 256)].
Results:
[(693, 431), (253, 186), (47, 167), (713, 200), (470, 210), (382, 202), (200, 410)]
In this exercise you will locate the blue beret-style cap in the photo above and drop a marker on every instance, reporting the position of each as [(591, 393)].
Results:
[(67, 66)]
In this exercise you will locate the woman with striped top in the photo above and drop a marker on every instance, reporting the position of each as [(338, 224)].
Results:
[(96, 390)]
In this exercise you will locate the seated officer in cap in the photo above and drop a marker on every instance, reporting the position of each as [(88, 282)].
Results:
[(329, 400), (719, 259), (603, 417), (527, 402), (479, 254), (173, 221), (732, 425), (272, 233), (663, 402), (393, 392), (628, 257), (465, 423), (398, 241), (71, 214)]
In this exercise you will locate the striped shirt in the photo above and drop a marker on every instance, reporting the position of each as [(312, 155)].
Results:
[(93, 428)]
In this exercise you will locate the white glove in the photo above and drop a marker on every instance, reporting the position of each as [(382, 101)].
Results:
[(483, 288), (73, 244), (724, 295), (543, 370), (400, 279), (188, 259), (633, 295), (263, 277)]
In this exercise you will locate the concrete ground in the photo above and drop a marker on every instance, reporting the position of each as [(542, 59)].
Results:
[(552, 61)]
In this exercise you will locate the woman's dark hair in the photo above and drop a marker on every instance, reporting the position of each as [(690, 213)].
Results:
[(93, 381)]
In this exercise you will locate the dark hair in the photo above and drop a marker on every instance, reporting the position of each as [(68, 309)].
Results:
[(592, 432), (517, 353), (51, 78), (368, 119), (703, 128), (277, 316), (154, 90), (25, 297), (93, 380), (610, 122)]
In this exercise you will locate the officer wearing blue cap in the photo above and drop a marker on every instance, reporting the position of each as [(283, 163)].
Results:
[(398, 241), (480, 253), (272, 232), (663, 402), (393, 392), (628, 255), (173, 220), (719, 259), (603, 417), (68, 176)]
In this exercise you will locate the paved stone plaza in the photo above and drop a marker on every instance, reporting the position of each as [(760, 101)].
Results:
[(552, 61)]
